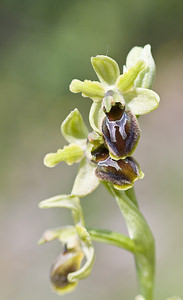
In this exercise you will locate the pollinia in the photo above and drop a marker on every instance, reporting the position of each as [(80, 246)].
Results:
[(105, 156)]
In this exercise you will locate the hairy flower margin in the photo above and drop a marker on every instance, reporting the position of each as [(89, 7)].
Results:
[(118, 100)]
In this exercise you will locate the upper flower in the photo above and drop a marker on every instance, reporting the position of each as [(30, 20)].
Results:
[(132, 88)]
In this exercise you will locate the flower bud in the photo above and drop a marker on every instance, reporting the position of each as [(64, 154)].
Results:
[(69, 261), (121, 132), (122, 173)]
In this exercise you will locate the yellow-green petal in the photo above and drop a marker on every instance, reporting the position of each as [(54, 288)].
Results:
[(141, 101), (88, 88), (146, 76), (106, 69), (70, 154), (125, 82)]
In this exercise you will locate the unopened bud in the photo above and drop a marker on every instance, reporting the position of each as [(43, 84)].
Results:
[(65, 264)]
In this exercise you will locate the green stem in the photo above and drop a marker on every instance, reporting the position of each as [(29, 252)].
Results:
[(131, 195), (141, 234), (113, 238)]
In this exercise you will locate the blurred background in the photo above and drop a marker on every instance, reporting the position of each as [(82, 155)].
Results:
[(44, 44)]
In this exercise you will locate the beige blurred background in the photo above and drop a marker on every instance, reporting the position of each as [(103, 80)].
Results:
[(44, 44)]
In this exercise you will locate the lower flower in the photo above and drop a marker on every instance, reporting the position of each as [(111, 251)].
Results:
[(122, 173), (69, 261)]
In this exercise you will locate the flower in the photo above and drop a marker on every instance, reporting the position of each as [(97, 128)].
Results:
[(117, 100), (69, 261), (75, 132), (122, 173), (131, 88), (66, 271)]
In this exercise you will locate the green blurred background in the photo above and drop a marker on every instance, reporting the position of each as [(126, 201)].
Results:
[(44, 44)]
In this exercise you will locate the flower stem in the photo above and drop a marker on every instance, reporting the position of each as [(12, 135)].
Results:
[(141, 235)]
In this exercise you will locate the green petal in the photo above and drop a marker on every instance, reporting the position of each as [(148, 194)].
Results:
[(146, 76), (141, 101), (125, 82), (106, 69), (88, 88), (72, 153), (96, 117), (73, 128), (86, 180)]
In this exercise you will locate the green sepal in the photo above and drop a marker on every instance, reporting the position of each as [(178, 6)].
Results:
[(125, 81), (146, 76), (96, 117), (106, 69), (67, 201), (73, 128), (86, 180), (70, 154), (60, 201), (88, 88), (141, 101), (64, 234)]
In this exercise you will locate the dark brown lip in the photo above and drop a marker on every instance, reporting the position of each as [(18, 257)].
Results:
[(122, 172), (121, 136)]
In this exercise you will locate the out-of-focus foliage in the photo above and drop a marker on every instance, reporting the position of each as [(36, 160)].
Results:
[(44, 44)]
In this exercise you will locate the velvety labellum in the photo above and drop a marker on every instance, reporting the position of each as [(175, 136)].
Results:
[(122, 172), (120, 135)]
